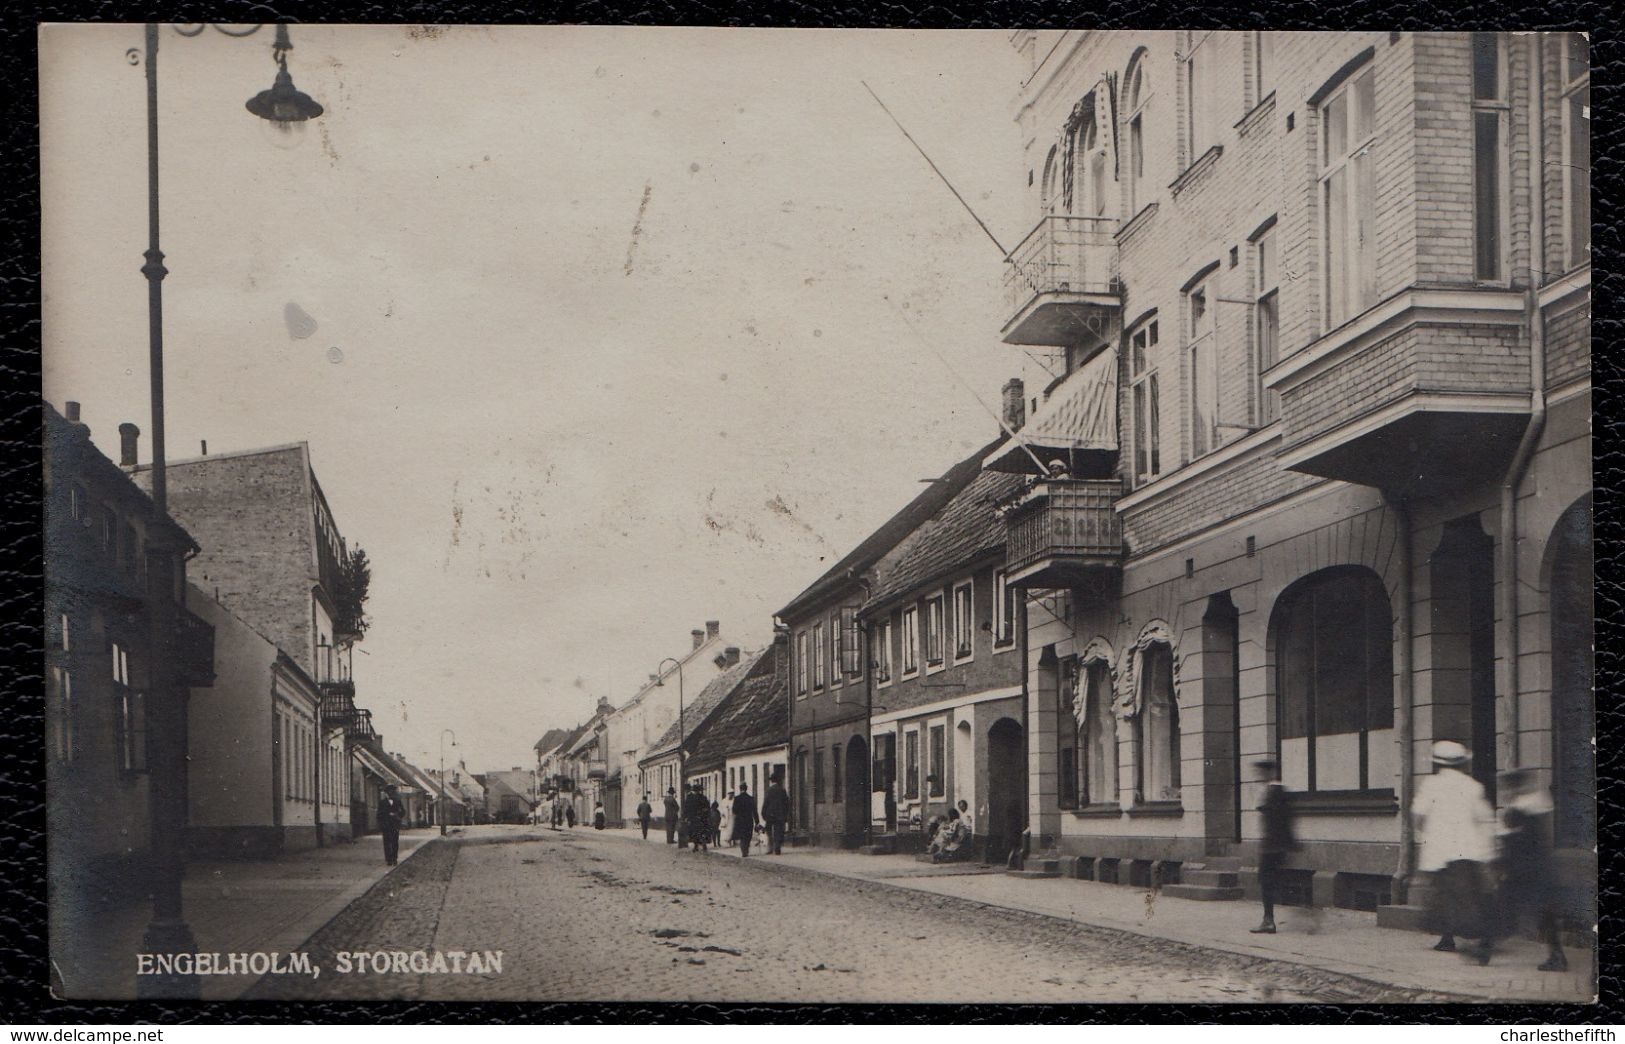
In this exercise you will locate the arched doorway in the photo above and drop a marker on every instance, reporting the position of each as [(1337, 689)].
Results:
[(1574, 767), (1006, 788), (857, 790)]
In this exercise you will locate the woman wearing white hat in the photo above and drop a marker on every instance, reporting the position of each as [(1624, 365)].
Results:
[(1455, 833)]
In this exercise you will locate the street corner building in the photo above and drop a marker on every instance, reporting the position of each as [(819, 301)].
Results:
[(1330, 296)]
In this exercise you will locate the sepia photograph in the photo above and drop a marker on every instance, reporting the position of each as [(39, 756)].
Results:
[(817, 516)]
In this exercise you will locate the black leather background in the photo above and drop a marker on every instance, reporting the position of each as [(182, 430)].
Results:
[(23, 968)]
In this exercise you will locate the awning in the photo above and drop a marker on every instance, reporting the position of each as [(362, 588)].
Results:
[(376, 765), (1076, 424)]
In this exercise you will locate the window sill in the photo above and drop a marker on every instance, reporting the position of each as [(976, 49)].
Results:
[(1343, 802), (1156, 810), (1194, 172), (1005, 646), (1137, 222), (1099, 810), (1260, 112)]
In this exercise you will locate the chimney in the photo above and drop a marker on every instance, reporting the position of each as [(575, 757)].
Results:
[(127, 435), (729, 657), (1015, 404), (72, 409), (712, 628), (699, 637)]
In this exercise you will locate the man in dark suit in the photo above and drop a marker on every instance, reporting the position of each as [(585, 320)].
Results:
[(1276, 844), (391, 813), (776, 813), (673, 812), (744, 818)]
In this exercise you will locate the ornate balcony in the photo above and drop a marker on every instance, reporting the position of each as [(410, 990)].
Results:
[(333, 670), (1065, 533), (360, 727), (338, 709), (1060, 283)]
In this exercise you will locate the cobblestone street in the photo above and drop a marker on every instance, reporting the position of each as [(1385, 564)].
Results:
[(580, 916)]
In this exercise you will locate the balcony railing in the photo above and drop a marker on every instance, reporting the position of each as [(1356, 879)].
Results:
[(360, 727), (1068, 259), (333, 669), (1065, 533), (338, 709)]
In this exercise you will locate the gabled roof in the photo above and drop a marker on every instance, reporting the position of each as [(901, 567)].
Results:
[(380, 765), (754, 715), (965, 529), (419, 778), (882, 540), (550, 740), (698, 712)]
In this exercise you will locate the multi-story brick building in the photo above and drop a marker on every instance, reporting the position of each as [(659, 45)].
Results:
[(273, 558), (1338, 286), (829, 695), (116, 609)]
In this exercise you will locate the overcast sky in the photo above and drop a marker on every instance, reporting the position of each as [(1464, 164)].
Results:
[(595, 334)]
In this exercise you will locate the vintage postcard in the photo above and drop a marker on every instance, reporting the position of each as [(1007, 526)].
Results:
[(730, 515)]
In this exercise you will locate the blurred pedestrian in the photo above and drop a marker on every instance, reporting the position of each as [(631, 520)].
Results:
[(1278, 840), (697, 816), (716, 823), (775, 813), (645, 813), (1528, 891), (744, 816), (570, 815), (598, 820), (673, 811), (1455, 831), (391, 813)]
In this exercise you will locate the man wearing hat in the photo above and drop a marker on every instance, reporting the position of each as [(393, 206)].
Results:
[(1277, 841), (391, 811), (1455, 837), (673, 812)]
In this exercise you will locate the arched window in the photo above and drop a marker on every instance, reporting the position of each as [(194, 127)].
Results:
[(1067, 735), (1092, 159), (1136, 93), (1156, 726), (1335, 682), (1049, 189), (1098, 741)]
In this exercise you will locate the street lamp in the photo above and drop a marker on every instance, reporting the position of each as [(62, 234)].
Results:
[(168, 932), (443, 776), (682, 734)]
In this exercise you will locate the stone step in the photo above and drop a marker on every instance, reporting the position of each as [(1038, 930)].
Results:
[(1031, 872), (1209, 878), (1203, 893)]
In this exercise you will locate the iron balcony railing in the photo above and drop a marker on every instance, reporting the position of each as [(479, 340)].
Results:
[(338, 709), (1066, 522), (333, 669), (1064, 253), (360, 727)]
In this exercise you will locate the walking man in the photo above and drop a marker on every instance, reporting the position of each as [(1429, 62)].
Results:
[(391, 812), (697, 816), (775, 813), (744, 818), (673, 811), (1455, 832), (1528, 888), (645, 813), (1278, 840)]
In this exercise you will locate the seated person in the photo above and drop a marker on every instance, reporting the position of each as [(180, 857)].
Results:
[(952, 840)]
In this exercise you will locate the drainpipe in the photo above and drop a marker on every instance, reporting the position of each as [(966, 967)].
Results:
[(1023, 649), (1508, 746), (1407, 701)]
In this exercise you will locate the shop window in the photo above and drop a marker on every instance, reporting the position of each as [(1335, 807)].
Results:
[(1099, 739), (1157, 726)]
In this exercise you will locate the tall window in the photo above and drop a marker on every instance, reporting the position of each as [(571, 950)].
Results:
[(1066, 739), (1147, 402), (1157, 726), (1266, 324), (1577, 146), (933, 631), (964, 622), (1202, 359), (1334, 667), (939, 760), (1092, 157), (1263, 65), (1491, 110), (1348, 197), (1136, 95), (911, 764), (835, 677), (1005, 606), (61, 676), (911, 641), (1099, 728), (1201, 97), (818, 776), (882, 656), (803, 668), (818, 656)]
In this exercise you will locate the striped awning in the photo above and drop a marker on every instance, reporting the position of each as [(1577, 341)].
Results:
[(1075, 424)]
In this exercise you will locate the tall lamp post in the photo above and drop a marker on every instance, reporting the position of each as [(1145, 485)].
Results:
[(168, 932), (682, 733), (443, 776)]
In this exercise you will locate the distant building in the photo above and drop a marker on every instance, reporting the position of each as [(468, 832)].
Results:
[(661, 766), (744, 742), (509, 794)]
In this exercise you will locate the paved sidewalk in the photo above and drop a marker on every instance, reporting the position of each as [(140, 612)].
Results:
[(232, 907), (1343, 941)]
